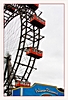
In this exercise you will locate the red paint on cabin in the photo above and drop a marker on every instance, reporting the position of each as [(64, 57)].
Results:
[(33, 6), (22, 84), (33, 52), (37, 21), (10, 8)]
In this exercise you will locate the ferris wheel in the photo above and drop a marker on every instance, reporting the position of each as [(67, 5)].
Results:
[(21, 43)]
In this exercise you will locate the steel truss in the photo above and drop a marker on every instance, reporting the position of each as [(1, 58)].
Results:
[(28, 32)]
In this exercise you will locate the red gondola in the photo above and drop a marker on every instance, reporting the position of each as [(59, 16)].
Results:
[(37, 21), (33, 6), (10, 8), (33, 52), (22, 84)]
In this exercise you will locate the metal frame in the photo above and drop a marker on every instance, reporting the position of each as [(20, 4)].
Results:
[(25, 12)]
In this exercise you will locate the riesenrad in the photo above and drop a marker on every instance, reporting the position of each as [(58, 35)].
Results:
[(22, 38)]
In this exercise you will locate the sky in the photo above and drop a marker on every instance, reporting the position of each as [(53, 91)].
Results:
[(50, 68)]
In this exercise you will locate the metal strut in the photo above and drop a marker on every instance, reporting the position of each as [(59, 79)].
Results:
[(26, 28)]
